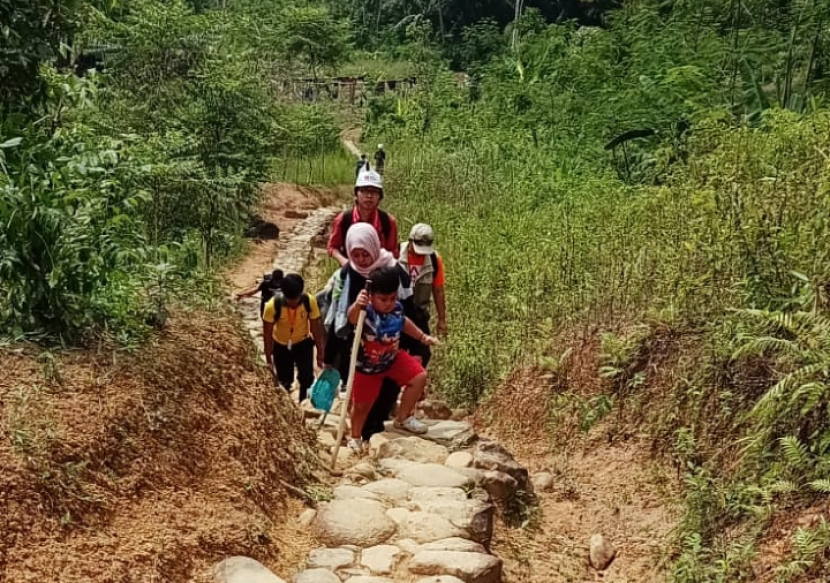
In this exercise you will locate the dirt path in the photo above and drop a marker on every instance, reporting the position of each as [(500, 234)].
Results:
[(612, 490), (303, 216), (601, 484), (350, 138), (285, 205)]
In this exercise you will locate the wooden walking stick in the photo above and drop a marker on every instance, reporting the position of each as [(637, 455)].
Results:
[(358, 332)]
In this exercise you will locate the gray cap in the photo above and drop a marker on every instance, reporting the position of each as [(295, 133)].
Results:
[(421, 237)]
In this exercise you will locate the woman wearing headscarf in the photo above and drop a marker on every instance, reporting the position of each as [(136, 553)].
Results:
[(365, 253)]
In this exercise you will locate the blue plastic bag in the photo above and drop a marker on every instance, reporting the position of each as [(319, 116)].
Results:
[(324, 390)]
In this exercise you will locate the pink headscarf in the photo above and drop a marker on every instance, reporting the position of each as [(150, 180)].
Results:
[(364, 236)]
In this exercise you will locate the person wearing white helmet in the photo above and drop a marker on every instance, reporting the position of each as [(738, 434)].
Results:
[(380, 158), (368, 192)]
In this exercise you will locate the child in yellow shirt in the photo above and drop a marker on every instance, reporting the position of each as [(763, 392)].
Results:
[(291, 328)]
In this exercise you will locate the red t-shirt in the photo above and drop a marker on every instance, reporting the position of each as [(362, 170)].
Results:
[(416, 263), (337, 239)]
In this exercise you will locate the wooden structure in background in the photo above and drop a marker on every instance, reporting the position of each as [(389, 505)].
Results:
[(351, 90)]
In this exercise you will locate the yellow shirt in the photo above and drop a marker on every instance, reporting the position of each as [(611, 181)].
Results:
[(294, 322)]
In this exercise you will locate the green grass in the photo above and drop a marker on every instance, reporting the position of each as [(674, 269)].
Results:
[(537, 247), (534, 247), (324, 169)]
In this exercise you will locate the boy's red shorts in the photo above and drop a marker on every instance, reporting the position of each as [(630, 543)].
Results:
[(367, 386)]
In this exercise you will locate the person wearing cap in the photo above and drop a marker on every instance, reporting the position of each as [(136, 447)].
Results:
[(426, 270), (380, 158), (368, 192)]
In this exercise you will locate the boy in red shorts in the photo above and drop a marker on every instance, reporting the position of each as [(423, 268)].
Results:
[(379, 356)]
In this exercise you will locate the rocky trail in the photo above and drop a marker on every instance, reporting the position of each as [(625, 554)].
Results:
[(292, 256), (414, 509), (417, 509)]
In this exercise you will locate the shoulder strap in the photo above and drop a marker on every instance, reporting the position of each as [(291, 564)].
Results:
[(385, 224), (345, 222), (278, 302)]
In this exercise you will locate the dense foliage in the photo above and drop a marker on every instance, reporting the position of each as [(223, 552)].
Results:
[(132, 138), (382, 24), (662, 179), (653, 170)]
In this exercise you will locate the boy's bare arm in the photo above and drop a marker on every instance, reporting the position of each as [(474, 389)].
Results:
[(410, 329), (247, 293)]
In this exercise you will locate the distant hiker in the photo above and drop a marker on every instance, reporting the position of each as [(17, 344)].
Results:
[(380, 158), (362, 165), (292, 327), (368, 192), (380, 356), (267, 288)]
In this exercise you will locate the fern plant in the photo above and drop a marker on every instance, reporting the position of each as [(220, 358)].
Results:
[(790, 420), (800, 343), (811, 554)]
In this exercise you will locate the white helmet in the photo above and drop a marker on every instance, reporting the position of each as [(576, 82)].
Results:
[(369, 178), (380, 146)]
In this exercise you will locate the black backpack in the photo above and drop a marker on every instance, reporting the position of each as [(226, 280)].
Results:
[(279, 302), (348, 220), (266, 293)]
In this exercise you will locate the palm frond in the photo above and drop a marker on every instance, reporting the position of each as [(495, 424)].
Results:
[(822, 486), (796, 453)]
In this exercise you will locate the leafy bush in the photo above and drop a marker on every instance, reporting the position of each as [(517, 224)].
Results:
[(812, 546), (141, 176), (69, 227)]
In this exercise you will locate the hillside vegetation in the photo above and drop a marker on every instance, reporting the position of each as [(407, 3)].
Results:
[(140, 440), (132, 138), (654, 191)]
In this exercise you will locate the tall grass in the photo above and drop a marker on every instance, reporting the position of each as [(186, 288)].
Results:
[(533, 245), (537, 245), (698, 252), (326, 167)]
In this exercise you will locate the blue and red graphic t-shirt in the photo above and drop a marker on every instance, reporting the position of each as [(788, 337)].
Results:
[(380, 340)]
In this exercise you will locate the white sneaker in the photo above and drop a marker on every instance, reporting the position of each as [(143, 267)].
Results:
[(356, 445), (411, 425)]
